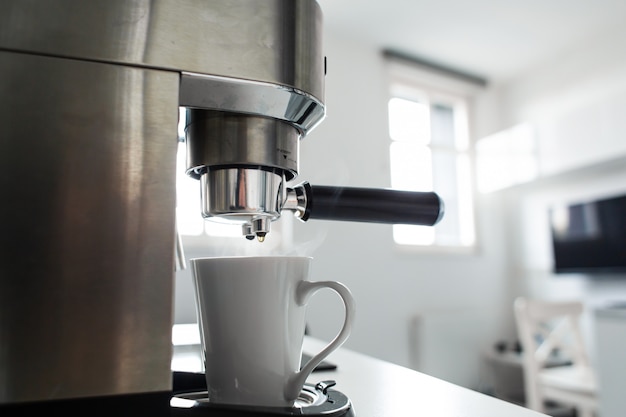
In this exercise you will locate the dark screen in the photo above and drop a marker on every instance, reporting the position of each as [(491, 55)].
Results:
[(590, 236)]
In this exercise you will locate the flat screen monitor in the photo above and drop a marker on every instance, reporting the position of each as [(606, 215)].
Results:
[(590, 236)]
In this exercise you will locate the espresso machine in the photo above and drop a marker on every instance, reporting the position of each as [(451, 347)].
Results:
[(90, 93)]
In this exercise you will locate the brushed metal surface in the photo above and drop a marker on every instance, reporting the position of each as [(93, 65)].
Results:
[(87, 159), (272, 41), (219, 140), (243, 195)]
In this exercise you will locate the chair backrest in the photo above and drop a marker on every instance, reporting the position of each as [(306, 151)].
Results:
[(545, 327)]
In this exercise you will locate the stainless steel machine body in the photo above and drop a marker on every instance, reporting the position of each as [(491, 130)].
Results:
[(89, 99)]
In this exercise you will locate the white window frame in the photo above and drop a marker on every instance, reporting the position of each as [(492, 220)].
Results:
[(421, 84)]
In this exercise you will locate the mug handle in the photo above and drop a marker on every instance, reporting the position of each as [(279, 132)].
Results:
[(304, 291)]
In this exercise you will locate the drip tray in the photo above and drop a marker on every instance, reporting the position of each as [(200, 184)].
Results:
[(313, 400)]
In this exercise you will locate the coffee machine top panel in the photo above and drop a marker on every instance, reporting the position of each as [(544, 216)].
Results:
[(273, 41)]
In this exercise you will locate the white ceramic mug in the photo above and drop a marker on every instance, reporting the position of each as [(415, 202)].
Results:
[(251, 313)]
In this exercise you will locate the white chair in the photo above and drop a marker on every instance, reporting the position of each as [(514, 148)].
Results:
[(545, 328)]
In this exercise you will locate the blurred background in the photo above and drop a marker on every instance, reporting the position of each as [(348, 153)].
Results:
[(507, 109)]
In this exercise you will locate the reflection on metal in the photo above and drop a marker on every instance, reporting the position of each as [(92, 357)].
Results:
[(87, 177)]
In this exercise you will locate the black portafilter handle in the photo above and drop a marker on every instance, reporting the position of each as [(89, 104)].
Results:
[(372, 205)]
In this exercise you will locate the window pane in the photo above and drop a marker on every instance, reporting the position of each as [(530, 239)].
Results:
[(442, 126), (466, 207), (446, 186), (405, 234), (429, 152), (445, 173), (453, 184), (411, 167), (409, 121)]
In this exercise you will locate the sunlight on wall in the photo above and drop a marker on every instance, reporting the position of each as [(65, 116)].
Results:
[(506, 158)]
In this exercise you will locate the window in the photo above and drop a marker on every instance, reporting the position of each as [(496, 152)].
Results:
[(429, 151)]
